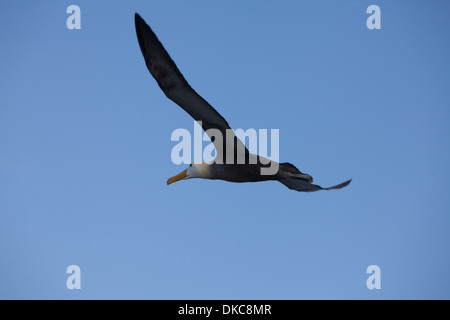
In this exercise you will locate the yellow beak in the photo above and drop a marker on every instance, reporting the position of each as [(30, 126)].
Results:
[(179, 176)]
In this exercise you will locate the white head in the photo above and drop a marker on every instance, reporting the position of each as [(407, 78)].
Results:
[(195, 170)]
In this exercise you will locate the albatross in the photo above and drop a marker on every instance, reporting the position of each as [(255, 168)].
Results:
[(251, 167)]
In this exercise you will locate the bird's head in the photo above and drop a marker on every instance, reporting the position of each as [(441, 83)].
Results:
[(195, 170)]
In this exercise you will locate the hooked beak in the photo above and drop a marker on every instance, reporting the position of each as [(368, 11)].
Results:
[(178, 177)]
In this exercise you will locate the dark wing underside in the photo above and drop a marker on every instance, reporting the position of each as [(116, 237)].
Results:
[(173, 84), (177, 89), (303, 185)]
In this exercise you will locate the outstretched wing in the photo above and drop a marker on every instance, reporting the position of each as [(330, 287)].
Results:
[(339, 186), (175, 86), (303, 185)]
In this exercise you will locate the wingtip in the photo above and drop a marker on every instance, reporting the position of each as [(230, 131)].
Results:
[(137, 17), (346, 183), (339, 186)]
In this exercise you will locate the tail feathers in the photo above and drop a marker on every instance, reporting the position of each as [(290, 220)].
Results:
[(289, 167), (288, 170)]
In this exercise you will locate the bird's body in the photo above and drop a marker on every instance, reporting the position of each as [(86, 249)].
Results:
[(244, 166), (234, 172)]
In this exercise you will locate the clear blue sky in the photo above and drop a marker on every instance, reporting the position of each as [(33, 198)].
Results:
[(85, 151)]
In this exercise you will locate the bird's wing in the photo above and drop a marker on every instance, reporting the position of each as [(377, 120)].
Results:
[(303, 185), (175, 86), (339, 186)]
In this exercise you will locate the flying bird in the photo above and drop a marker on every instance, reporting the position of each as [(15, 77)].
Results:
[(177, 89)]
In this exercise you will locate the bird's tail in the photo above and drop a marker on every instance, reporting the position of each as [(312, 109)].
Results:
[(288, 170)]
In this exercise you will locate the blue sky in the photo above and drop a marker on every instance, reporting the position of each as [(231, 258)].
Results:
[(85, 151)]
